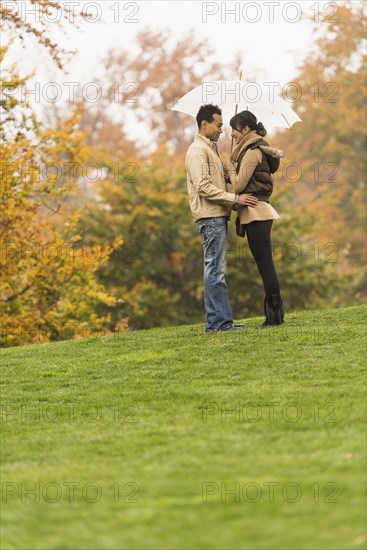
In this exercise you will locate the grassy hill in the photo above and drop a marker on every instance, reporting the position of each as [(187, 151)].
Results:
[(177, 439)]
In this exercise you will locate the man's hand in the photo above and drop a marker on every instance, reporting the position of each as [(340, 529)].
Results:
[(247, 200)]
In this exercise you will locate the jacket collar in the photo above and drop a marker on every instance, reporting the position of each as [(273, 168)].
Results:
[(204, 139), (249, 139)]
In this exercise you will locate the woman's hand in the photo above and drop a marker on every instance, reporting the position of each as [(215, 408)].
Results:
[(229, 166), (247, 200)]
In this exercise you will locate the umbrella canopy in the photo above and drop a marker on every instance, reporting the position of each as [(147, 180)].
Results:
[(269, 109)]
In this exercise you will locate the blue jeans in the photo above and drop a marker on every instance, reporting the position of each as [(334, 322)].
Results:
[(213, 233)]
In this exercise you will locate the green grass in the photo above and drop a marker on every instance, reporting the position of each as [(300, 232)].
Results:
[(149, 393)]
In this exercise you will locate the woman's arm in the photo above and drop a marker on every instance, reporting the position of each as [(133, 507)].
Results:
[(249, 162)]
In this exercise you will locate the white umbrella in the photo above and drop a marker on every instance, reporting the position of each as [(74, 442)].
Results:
[(269, 109)]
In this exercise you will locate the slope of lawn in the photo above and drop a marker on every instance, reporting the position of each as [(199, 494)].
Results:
[(176, 439)]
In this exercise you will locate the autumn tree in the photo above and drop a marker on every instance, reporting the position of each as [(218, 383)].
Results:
[(155, 273), (48, 285), (328, 148), (142, 81), (14, 23)]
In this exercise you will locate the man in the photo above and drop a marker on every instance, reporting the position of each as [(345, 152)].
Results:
[(211, 205)]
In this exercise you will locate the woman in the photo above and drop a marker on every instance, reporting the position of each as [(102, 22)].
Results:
[(250, 171)]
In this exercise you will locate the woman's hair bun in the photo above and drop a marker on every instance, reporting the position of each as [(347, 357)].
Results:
[(260, 129)]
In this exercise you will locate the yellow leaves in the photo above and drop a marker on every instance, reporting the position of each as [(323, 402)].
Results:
[(177, 261), (118, 241), (48, 273), (122, 325)]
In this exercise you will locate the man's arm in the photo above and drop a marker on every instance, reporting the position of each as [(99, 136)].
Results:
[(198, 168)]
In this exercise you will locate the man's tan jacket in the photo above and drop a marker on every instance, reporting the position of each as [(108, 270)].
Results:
[(209, 194)]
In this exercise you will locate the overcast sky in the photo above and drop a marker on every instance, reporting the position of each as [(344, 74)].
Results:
[(277, 30)]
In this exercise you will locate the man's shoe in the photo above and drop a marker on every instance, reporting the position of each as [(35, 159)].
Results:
[(236, 326), (232, 327)]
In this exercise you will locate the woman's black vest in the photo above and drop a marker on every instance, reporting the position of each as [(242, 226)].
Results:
[(261, 182)]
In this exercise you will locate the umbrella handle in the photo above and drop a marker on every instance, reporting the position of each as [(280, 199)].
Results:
[(235, 111)]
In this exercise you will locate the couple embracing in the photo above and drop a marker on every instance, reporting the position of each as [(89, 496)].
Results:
[(244, 183)]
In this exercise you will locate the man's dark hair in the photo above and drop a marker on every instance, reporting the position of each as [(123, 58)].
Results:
[(206, 112)]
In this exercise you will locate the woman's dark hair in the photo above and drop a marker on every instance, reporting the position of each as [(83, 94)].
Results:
[(206, 112), (245, 118)]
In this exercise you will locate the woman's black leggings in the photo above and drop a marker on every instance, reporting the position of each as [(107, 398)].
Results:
[(258, 236)]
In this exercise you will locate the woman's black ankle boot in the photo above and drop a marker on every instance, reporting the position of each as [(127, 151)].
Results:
[(274, 310)]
